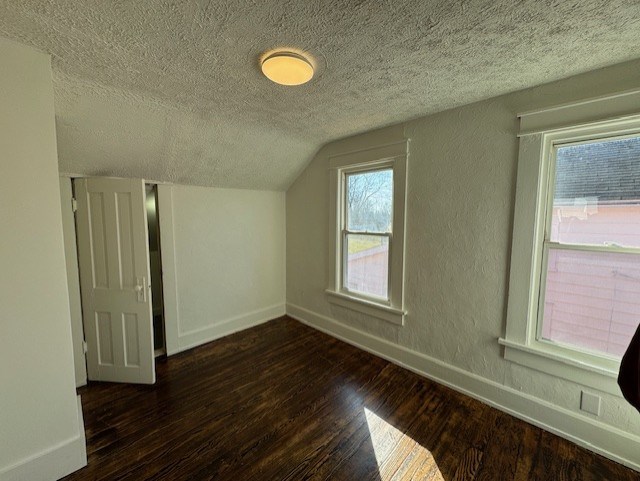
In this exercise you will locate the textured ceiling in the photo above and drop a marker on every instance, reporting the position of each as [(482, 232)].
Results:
[(171, 90)]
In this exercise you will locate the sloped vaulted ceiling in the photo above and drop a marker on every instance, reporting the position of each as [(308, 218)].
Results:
[(172, 91)]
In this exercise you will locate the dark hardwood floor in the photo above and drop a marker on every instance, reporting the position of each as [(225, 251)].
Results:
[(282, 401)]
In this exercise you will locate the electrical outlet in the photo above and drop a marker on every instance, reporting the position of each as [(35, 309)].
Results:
[(590, 403)]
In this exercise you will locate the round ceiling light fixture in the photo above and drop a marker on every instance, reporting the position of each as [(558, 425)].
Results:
[(287, 68)]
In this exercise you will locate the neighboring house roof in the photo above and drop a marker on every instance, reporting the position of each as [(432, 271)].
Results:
[(609, 171)]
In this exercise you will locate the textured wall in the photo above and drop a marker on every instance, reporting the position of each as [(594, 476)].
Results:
[(461, 188), (171, 89)]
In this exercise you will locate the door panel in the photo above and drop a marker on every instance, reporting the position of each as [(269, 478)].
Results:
[(113, 253)]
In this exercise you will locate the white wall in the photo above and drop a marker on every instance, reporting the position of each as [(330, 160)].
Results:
[(461, 187), (41, 435), (228, 249)]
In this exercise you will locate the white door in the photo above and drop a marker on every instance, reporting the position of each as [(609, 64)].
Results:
[(113, 253)]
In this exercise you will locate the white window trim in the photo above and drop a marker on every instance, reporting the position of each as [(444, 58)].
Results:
[(393, 156), (589, 120)]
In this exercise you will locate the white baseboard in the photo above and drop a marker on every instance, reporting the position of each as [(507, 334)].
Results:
[(601, 438), (197, 337), (53, 463)]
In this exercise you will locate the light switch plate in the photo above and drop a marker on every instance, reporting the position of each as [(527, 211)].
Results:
[(590, 403)]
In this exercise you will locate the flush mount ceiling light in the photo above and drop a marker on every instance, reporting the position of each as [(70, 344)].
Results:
[(287, 68)]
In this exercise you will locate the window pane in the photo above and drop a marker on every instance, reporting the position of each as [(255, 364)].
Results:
[(597, 193), (592, 300), (367, 269), (370, 201)]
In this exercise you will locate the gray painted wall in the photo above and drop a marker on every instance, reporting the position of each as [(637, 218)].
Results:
[(461, 188)]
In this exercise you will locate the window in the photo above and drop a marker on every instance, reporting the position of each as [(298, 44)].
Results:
[(591, 266), (367, 230), (368, 189), (574, 288)]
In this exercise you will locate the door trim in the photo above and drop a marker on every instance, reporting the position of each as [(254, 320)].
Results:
[(168, 261), (73, 280)]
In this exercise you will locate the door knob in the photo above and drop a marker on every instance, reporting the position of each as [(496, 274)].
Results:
[(140, 290)]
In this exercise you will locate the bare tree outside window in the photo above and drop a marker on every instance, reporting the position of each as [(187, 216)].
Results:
[(369, 201)]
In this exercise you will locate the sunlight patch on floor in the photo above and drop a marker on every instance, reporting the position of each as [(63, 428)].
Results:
[(398, 456)]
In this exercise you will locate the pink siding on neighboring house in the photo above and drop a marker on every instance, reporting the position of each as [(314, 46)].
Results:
[(367, 271), (592, 299)]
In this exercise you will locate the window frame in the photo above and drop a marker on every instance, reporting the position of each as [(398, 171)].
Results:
[(522, 342), (390, 156)]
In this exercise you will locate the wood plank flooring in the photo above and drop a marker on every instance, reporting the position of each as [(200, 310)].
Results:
[(282, 401)]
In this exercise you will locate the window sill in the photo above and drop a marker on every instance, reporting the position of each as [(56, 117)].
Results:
[(547, 361), (380, 311)]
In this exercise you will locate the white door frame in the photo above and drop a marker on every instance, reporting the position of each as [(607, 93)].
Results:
[(167, 254), (73, 280), (168, 261)]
